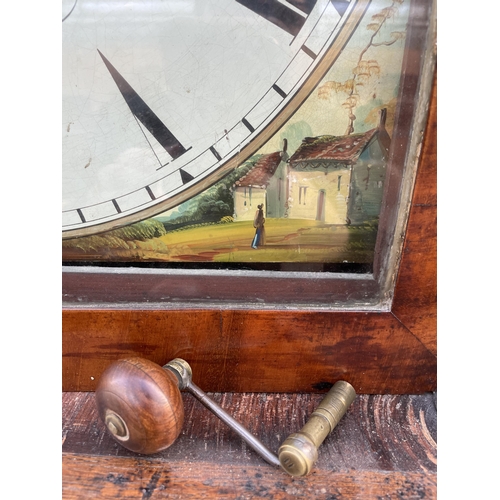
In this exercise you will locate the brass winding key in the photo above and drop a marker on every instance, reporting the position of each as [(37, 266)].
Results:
[(141, 405)]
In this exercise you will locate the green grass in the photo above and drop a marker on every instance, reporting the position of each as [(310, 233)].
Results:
[(287, 240)]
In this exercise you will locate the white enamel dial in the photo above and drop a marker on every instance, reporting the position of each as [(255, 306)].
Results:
[(163, 98)]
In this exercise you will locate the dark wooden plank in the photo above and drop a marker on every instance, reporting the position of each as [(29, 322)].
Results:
[(137, 288), (378, 433), (253, 351), (129, 478), (384, 446)]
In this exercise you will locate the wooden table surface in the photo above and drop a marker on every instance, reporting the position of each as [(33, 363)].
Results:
[(383, 448)]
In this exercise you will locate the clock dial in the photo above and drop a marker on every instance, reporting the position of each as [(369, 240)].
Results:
[(162, 99)]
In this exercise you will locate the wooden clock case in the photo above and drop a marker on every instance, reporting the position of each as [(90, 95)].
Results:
[(251, 332)]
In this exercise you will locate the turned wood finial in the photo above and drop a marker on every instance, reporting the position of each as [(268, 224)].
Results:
[(140, 404)]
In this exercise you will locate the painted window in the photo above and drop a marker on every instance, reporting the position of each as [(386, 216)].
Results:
[(302, 195)]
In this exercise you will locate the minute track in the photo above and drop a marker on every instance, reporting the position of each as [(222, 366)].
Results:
[(192, 170)]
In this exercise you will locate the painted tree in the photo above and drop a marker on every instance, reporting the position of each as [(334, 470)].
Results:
[(366, 68)]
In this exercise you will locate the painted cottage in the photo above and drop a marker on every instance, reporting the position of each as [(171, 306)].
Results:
[(264, 183), (339, 179)]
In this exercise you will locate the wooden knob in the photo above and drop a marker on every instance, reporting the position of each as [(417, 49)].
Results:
[(141, 405)]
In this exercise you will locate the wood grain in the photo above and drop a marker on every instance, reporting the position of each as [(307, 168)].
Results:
[(142, 402), (92, 287), (264, 351), (415, 301), (384, 447), (128, 478)]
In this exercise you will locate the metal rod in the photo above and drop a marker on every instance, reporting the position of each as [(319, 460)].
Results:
[(249, 438), (184, 374)]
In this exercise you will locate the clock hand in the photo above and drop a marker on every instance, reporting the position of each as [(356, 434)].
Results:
[(306, 6), (286, 18), (145, 114), (279, 14), (340, 5)]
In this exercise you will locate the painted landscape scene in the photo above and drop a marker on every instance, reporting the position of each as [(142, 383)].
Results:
[(312, 194)]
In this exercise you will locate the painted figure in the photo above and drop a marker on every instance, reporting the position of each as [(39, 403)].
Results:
[(258, 224)]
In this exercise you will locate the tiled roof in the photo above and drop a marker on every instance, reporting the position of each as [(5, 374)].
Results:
[(341, 149), (261, 172)]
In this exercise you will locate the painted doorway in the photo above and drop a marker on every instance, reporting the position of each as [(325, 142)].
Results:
[(320, 212)]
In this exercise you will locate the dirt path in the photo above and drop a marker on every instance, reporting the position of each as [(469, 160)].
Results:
[(286, 241)]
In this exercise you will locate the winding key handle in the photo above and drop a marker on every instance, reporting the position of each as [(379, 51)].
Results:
[(141, 405)]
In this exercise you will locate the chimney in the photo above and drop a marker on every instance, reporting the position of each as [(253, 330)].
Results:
[(284, 155), (383, 135), (383, 116)]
